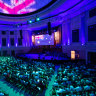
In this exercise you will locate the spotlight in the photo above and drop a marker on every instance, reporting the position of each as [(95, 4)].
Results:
[(8, 44), (30, 21), (38, 19), (16, 44)]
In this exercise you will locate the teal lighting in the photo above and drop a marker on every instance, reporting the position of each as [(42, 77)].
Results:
[(30, 21), (38, 19)]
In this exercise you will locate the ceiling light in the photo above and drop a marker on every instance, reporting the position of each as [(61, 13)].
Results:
[(30, 21), (38, 19)]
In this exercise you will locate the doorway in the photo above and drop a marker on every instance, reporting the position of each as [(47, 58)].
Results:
[(91, 57), (12, 53)]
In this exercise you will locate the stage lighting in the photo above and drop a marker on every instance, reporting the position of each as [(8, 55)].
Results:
[(30, 21), (49, 28), (8, 44), (16, 44), (38, 19)]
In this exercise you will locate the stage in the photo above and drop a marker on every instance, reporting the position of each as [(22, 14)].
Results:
[(42, 57)]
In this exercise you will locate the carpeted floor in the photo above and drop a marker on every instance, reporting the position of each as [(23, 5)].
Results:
[(9, 90)]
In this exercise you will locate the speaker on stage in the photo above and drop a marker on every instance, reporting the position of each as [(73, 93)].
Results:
[(21, 34), (49, 28)]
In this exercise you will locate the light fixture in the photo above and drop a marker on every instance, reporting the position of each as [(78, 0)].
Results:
[(72, 55), (8, 44), (37, 19), (30, 21), (16, 44)]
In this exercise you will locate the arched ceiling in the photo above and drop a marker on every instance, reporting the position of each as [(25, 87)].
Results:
[(55, 13), (19, 8), (50, 5)]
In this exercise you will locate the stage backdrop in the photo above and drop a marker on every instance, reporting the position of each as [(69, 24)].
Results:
[(44, 39)]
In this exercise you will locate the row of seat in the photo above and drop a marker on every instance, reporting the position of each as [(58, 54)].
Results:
[(32, 77), (75, 80)]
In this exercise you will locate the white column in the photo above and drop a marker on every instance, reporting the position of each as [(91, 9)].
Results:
[(16, 38), (83, 29), (68, 31), (64, 37)]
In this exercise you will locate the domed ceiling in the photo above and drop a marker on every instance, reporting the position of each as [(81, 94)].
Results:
[(20, 12), (22, 7)]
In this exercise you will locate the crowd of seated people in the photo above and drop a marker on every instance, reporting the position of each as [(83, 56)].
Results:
[(32, 77), (75, 80)]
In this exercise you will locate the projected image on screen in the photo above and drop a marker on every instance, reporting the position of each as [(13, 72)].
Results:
[(44, 39), (21, 6)]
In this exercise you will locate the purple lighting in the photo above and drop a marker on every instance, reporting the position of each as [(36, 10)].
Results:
[(16, 6), (16, 44), (82, 44), (26, 43), (83, 26), (83, 40), (8, 44), (68, 42), (21, 6)]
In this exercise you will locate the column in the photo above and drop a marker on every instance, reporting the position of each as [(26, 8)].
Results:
[(83, 29), (16, 37), (64, 37), (68, 31)]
